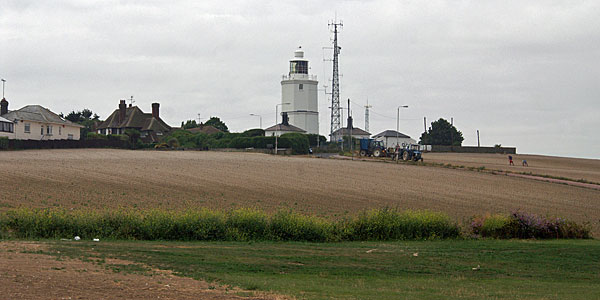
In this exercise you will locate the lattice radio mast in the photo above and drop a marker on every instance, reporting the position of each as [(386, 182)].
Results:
[(367, 115), (335, 85)]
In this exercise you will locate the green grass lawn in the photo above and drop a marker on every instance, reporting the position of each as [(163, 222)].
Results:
[(514, 269)]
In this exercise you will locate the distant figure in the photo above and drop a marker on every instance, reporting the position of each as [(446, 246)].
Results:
[(510, 161), (525, 163)]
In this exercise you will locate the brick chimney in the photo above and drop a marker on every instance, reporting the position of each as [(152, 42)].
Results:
[(3, 106), (122, 111), (285, 120), (155, 107)]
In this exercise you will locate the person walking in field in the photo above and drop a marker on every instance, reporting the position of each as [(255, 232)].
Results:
[(525, 164), (510, 161)]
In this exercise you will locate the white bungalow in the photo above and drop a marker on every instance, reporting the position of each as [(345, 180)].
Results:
[(34, 122)]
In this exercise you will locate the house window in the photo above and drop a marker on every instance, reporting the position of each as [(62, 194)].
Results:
[(301, 86), (27, 127), (49, 129), (59, 130), (6, 127), (42, 130), (69, 137)]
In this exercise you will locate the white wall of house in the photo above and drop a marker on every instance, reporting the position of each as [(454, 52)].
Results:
[(31, 130), (391, 142), (278, 132)]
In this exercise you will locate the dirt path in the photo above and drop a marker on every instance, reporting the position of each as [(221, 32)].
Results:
[(567, 167), (553, 180), (26, 273), (498, 172)]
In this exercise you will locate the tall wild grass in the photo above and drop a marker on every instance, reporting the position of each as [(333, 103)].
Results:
[(235, 225), (251, 224)]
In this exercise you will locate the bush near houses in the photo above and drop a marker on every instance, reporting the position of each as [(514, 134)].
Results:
[(253, 138)]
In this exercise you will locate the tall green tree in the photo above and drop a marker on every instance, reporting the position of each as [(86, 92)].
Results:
[(189, 124), (217, 123), (442, 132)]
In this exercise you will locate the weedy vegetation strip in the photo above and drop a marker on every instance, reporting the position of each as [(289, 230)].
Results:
[(234, 225), (523, 225), (255, 225)]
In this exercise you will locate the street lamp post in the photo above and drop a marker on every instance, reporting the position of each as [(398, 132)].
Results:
[(398, 122), (255, 115), (276, 114)]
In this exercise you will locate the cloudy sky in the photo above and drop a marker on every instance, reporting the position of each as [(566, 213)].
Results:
[(525, 73)]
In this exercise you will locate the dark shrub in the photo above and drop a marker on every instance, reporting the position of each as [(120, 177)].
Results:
[(297, 141), (254, 132), (527, 226)]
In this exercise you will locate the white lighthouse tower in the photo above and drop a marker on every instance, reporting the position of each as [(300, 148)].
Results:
[(299, 89)]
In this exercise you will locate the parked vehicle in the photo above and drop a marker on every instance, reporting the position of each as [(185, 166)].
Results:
[(371, 147), (410, 152)]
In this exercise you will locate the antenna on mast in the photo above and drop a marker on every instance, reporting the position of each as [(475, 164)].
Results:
[(335, 84), (131, 101)]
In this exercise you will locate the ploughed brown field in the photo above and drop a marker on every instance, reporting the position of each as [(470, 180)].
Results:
[(572, 168), (104, 178)]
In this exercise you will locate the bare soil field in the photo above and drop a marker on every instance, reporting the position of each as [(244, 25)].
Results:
[(28, 273), (572, 168), (108, 179)]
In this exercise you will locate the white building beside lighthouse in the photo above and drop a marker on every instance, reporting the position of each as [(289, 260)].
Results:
[(299, 89)]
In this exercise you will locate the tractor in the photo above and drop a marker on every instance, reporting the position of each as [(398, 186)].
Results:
[(371, 147), (410, 152)]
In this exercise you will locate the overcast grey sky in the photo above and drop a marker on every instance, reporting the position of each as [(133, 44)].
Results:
[(525, 73)]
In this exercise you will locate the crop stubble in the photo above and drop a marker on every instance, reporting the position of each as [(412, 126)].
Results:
[(104, 178)]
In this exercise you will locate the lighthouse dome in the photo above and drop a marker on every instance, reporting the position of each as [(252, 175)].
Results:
[(299, 53)]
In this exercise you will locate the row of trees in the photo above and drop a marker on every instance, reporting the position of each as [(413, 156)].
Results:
[(213, 121), (253, 138), (441, 131)]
